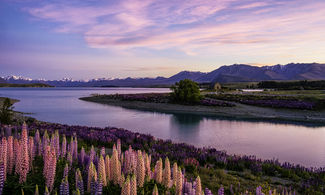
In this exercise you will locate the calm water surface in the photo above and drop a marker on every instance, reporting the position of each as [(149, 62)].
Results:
[(287, 142)]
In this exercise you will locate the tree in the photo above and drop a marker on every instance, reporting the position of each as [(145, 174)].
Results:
[(6, 112), (186, 91)]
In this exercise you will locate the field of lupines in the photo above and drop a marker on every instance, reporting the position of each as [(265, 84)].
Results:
[(40, 160)]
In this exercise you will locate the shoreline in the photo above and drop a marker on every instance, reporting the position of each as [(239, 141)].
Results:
[(239, 112)]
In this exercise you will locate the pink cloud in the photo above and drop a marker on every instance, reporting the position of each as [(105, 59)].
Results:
[(187, 25)]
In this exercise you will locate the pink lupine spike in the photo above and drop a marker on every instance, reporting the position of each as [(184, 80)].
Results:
[(4, 155), (24, 158), (10, 154)]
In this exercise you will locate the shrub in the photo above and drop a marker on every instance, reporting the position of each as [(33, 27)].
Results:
[(186, 91), (6, 112)]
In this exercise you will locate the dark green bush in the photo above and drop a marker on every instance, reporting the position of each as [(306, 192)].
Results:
[(186, 92)]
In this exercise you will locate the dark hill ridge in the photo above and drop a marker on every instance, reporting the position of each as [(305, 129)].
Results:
[(224, 74)]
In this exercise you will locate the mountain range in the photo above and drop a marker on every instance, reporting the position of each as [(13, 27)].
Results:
[(224, 74)]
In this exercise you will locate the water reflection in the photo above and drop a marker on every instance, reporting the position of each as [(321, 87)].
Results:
[(288, 141)]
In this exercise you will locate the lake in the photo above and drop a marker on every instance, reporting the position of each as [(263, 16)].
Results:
[(295, 143)]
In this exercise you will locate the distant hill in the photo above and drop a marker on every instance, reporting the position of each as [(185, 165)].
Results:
[(24, 85), (224, 74)]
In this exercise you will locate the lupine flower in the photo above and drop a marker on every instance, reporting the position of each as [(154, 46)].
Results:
[(2, 176), (126, 187), (46, 191), (166, 175), (115, 167), (221, 191), (92, 175), (36, 190), (179, 182), (102, 152), (119, 151), (50, 176), (75, 149), (140, 170), (79, 182), (155, 190), (107, 168), (4, 155), (99, 186), (133, 189), (198, 187), (158, 171), (64, 146), (64, 187), (10, 154), (82, 155), (24, 159), (66, 171), (175, 169), (102, 170), (31, 151), (147, 165)]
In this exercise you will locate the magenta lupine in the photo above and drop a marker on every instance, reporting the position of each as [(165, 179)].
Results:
[(46, 159), (50, 176), (24, 158), (31, 151), (17, 151), (10, 159), (2, 176), (4, 155), (64, 146)]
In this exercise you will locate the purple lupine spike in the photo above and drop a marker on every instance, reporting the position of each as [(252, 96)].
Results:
[(64, 187), (79, 182), (66, 170), (221, 191), (82, 155)]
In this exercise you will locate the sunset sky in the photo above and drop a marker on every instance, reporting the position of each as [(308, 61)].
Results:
[(146, 38)]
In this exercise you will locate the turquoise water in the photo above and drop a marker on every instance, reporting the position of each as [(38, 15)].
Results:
[(295, 143)]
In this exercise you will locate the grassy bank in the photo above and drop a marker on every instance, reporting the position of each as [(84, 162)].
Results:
[(217, 170)]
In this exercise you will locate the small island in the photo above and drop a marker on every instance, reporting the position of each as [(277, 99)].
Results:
[(280, 105)]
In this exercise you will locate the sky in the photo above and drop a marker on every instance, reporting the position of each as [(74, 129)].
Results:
[(84, 39)]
